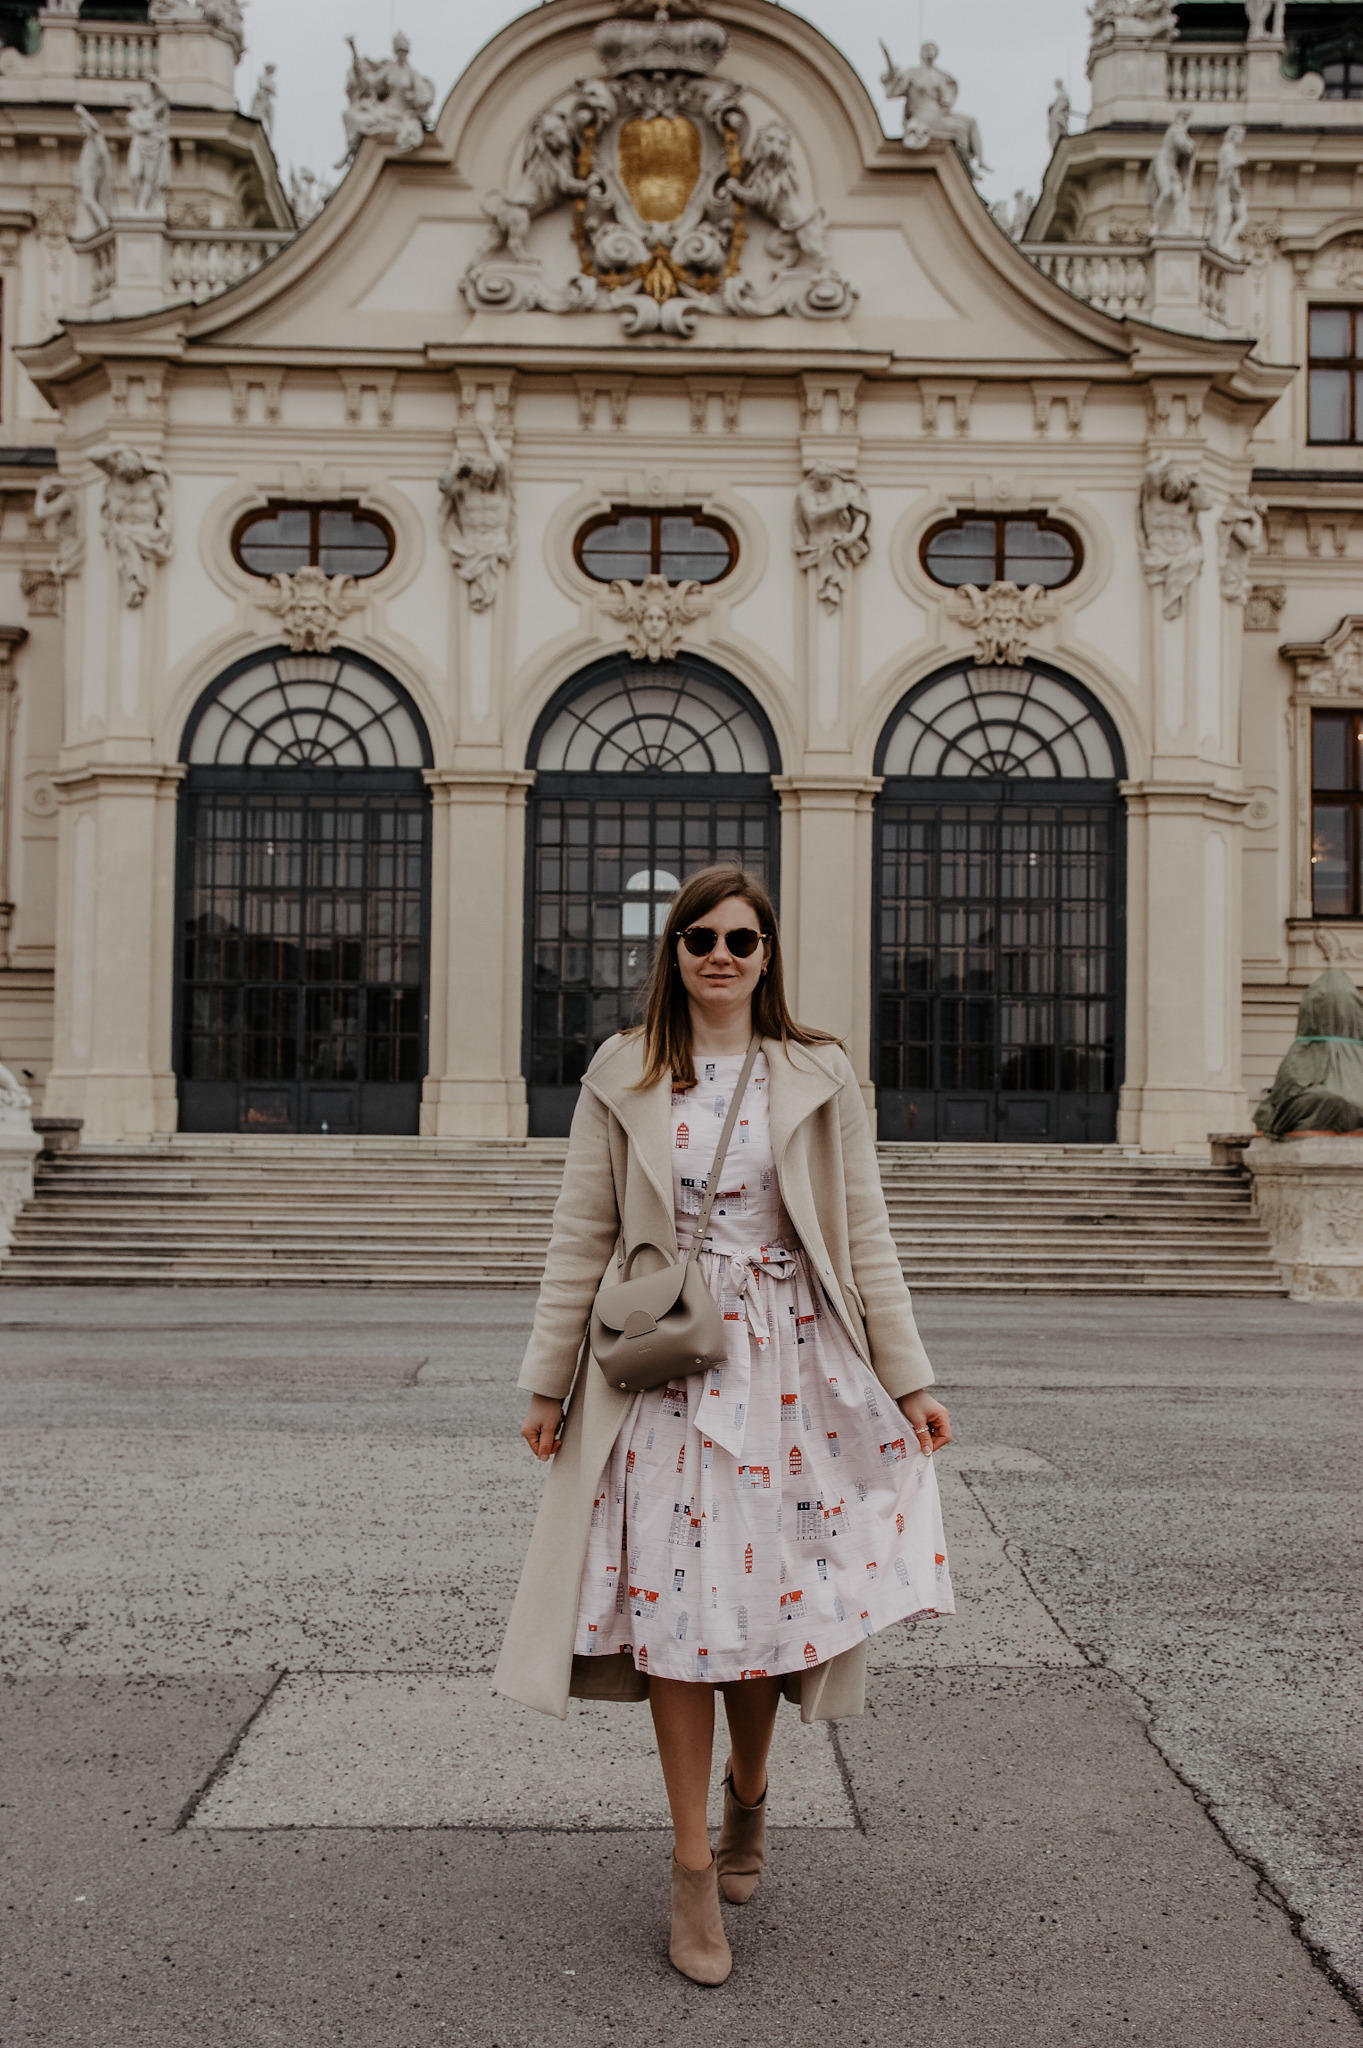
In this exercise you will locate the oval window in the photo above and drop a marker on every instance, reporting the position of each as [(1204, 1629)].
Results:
[(985, 550), (625, 546), (341, 540)]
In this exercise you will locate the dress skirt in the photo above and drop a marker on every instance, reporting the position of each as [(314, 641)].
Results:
[(762, 1517)]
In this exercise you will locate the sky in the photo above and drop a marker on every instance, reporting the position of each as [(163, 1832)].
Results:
[(1006, 54)]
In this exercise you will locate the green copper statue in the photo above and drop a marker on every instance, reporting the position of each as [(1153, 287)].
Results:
[(1319, 1085)]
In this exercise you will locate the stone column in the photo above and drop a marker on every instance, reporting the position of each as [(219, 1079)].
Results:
[(826, 869), (112, 1062), (12, 639), (474, 1084)]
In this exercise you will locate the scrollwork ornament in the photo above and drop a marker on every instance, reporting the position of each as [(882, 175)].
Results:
[(312, 607), (655, 614)]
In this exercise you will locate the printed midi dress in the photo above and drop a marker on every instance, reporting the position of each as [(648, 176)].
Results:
[(763, 1516)]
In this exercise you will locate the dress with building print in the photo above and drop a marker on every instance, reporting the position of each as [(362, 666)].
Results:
[(765, 1515)]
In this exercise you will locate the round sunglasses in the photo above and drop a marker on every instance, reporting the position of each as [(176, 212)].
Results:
[(700, 939)]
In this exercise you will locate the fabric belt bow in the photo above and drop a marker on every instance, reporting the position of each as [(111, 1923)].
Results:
[(717, 1400)]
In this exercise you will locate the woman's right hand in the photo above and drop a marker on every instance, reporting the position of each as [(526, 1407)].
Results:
[(541, 1425)]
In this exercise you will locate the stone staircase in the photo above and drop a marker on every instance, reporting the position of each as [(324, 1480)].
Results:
[(249, 1211)]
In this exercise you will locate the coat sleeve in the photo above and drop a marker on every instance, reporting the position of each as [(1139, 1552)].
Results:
[(585, 1228), (901, 1363)]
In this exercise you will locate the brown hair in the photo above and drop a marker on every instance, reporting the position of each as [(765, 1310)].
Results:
[(667, 1013)]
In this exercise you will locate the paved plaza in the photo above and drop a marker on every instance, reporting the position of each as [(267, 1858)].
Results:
[(258, 1549)]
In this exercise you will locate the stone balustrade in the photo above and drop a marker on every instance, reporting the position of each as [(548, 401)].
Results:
[(119, 52), (1200, 74), (1113, 278), (202, 262)]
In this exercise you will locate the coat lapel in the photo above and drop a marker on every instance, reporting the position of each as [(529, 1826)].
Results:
[(797, 1090), (645, 1116)]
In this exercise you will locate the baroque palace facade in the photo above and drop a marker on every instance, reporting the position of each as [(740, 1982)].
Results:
[(640, 460)]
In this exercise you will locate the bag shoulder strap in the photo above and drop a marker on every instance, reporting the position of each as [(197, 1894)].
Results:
[(712, 1187)]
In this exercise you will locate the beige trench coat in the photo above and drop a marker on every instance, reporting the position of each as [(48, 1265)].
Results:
[(616, 1194)]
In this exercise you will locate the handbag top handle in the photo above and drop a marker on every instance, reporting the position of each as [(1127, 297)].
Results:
[(712, 1183)]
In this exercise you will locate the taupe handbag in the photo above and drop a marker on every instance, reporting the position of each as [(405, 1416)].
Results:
[(667, 1324)]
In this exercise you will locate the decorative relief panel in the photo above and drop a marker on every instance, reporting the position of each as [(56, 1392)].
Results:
[(655, 614), (662, 175)]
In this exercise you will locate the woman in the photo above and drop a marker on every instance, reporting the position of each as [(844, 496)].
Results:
[(751, 1526)]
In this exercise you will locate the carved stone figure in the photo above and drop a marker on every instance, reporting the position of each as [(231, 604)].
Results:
[(1003, 618), (929, 96), (387, 98), (16, 1105), (1058, 115), (479, 523), (58, 503), (1239, 534), (1169, 181), (1132, 18), (1170, 541), (135, 516), (307, 195), (94, 174), (1014, 221), (655, 160), (149, 151), (263, 99), (312, 607), (1228, 200), (655, 613), (1263, 607), (226, 16), (1319, 1082), (1266, 19), (832, 526)]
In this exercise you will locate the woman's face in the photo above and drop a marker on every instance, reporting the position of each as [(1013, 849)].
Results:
[(719, 983)]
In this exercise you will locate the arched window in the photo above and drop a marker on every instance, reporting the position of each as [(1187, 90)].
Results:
[(998, 906), (303, 924), (644, 773), (998, 722), (306, 711)]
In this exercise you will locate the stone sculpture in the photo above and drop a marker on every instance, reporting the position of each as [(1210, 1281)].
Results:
[(307, 195), (832, 529), (312, 607), (226, 16), (1319, 1082), (16, 1104), (1003, 618), (929, 96), (656, 161), (1229, 210), (1169, 181), (386, 98), (149, 151), (94, 174), (654, 613), (1170, 540), (1266, 19), (135, 516), (263, 99), (1014, 221), (479, 523), (1058, 115), (58, 503), (1239, 534), (1132, 18)]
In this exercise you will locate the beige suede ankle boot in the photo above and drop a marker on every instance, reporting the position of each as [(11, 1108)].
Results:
[(742, 1852), (699, 1949)]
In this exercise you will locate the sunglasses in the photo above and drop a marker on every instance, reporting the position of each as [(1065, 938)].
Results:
[(700, 939)]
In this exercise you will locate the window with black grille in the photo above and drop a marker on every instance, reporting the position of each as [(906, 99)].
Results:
[(341, 540), (1336, 813), (984, 550), (1336, 374), (626, 545)]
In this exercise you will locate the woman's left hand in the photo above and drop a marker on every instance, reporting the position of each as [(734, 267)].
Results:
[(928, 1420)]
